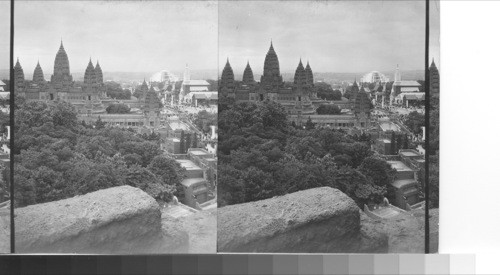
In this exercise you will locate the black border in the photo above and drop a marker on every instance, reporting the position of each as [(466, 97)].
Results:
[(427, 124), (11, 108)]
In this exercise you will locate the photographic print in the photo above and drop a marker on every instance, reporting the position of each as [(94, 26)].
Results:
[(322, 126), (115, 126), (5, 127)]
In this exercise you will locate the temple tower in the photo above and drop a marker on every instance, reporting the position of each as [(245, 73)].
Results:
[(227, 84), (61, 74), (19, 83), (434, 78), (248, 75), (271, 80), (98, 74), (38, 77), (90, 75)]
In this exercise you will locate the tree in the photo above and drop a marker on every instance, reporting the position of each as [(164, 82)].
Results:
[(182, 144), (414, 121), (328, 109), (140, 177), (118, 109), (273, 114), (99, 124), (378, 170), (195, 140), (188, 141), (393, 144), (309, 124), (170, 172), (325, 91)]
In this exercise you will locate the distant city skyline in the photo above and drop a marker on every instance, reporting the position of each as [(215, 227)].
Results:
[(340, 36), (124, 36)]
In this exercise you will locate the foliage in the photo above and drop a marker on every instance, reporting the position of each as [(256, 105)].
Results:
[(415, 121), (325, 91), (114, 90), (119, 108), (57, 157), (328, 109), (261, 156), (203, 120)]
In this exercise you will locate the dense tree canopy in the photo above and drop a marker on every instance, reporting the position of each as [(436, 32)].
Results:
[(57, 157), (325, 91), (118, 109), (328, 109), (114, 90), (261, 155), (415, 121)]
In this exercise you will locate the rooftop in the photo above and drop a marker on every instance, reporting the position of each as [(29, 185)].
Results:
[(177, 125), (409, 154), (408, 83), (195, 82), (188, 164), (191, 182), (403, 183), (399, 165)]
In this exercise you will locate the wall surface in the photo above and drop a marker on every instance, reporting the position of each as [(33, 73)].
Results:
[(322, 220), (115, 220)]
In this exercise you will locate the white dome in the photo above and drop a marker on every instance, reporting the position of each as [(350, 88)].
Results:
[(163, 76), (373, 77)]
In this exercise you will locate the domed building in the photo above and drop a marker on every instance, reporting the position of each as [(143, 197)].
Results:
[(374, 77)]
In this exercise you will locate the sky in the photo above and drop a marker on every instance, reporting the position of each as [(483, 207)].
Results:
[(334, 36), (4, 34), (125, 36)]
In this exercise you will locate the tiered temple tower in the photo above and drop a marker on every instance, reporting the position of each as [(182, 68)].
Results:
[(310, 80), (38, 77), (89, 78), (248, 75), (227, 84), (19, 84), (61, 77), (434, 78), (151, 109), (271, 80), (98, 74)]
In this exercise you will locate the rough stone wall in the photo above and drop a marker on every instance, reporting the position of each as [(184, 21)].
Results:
[(116, 220), (321, 220)]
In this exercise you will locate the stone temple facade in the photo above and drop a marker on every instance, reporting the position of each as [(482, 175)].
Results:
[(89, 97), (297, 99), (86, 96)]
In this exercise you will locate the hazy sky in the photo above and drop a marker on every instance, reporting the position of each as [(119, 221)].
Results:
[(335, 36), (126, 36), (4, 34), (145, 36)]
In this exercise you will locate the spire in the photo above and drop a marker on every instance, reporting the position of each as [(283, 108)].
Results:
[(309, 74), (90, 76), (300, 75), (248, 75), (98, 73), (271, 78), (38, 77), (18, 77), (61, 67), (227, 78)]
